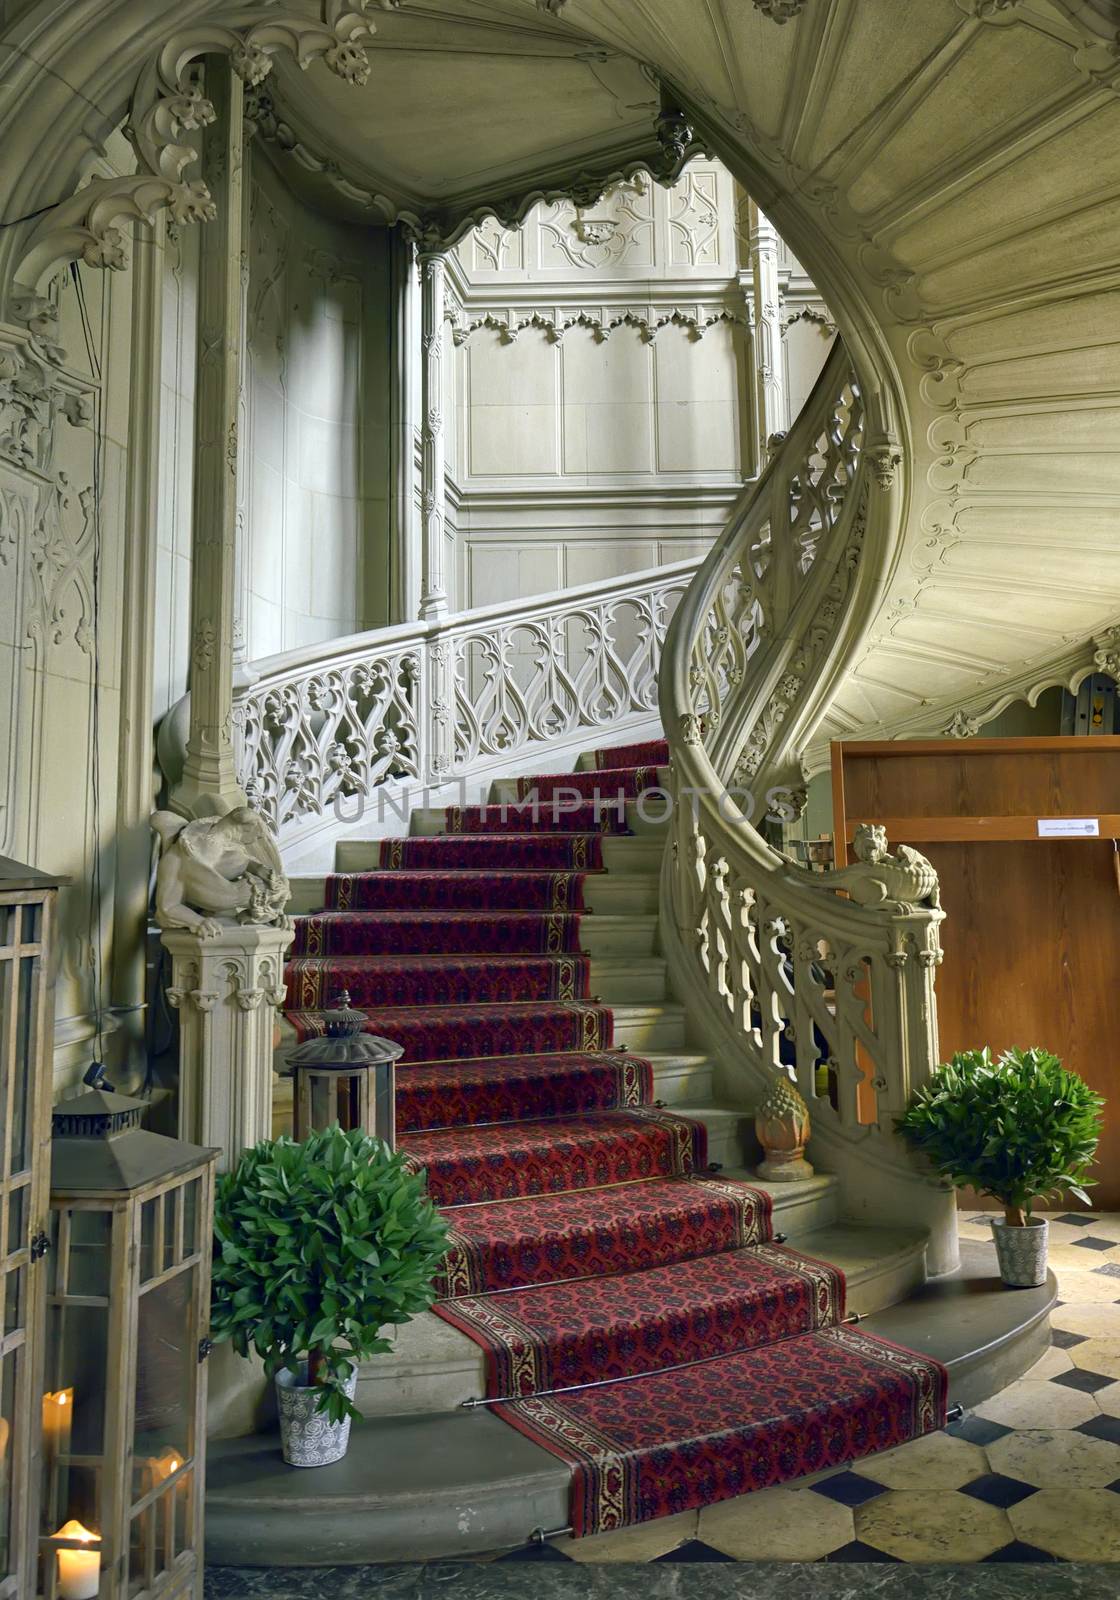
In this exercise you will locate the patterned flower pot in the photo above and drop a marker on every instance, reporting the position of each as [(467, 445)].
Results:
[(1021, 1252), (307, 1437)]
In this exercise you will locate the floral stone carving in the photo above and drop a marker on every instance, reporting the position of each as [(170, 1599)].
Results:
[(897, 882), (218, 870), (782, 1125)]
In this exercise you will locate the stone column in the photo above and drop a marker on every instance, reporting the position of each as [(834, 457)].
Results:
[(243, 675), (209, 782), (433, 579), (136, 764), (773, 413), (227, 991), (406, 387)]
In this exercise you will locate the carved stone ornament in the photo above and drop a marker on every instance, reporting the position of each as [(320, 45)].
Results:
[(963, 726), (165, 106), (900, 882), (1106, 652), (780, 11), (218, 870), (33, 394), (782, 1125), (886, 458), (594, 230)]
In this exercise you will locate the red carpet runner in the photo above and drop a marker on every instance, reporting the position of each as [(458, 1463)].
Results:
[(638, 1320)]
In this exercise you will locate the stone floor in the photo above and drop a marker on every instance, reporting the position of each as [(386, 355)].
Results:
[(1033, 1475)]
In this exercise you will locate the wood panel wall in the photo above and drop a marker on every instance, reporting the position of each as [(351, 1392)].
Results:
[(1032, 933)]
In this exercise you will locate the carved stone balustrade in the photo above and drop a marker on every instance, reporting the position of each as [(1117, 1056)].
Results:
[(327, 731), (828, 979)]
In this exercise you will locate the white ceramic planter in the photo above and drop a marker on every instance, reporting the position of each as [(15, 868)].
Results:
[(307, 1437), (1021, 1252)]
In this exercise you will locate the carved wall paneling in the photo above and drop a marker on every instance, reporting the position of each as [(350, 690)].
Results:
[(517, 291)]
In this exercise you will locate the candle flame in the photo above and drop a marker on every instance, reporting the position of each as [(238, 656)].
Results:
[(74, 1530)]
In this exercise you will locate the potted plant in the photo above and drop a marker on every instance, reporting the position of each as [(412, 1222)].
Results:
[(1021, 1129), (318, 1247)]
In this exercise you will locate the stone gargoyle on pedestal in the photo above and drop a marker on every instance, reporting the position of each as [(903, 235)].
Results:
[(218, 870), (899, 882)]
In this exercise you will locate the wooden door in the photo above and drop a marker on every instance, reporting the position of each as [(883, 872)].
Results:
[(1032, 932)]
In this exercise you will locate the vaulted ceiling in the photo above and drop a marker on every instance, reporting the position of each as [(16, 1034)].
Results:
[(949, 171), (465, 100)]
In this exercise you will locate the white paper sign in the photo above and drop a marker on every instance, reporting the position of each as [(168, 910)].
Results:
[(1069, 828)]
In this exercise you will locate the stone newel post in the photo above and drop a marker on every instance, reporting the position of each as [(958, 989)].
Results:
[(226, 990), (220, 898)]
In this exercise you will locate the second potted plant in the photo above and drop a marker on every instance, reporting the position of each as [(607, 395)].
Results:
[(1021, 1129), (318, 1247)]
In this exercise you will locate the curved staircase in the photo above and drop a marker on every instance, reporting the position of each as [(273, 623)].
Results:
[(619, 1293), (629, 1324)]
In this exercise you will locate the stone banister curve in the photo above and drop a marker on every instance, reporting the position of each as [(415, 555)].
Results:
[(782, 971)]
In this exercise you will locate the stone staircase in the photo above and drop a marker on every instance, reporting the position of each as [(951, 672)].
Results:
[(430, 1475)]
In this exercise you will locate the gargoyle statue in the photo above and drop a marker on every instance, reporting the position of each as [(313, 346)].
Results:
[(217, 870), (876, 878)]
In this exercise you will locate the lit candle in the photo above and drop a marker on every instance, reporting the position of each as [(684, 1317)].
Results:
[(165, 1466), (58, 1409), (79, 1571)]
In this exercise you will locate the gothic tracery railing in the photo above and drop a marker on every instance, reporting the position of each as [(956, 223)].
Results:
[(794, 974), (424, 703)]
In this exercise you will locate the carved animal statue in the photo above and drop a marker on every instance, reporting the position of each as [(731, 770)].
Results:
[(218, 870), (878, 878)]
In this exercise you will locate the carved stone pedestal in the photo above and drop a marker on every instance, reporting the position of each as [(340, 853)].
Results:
[(227, 990)]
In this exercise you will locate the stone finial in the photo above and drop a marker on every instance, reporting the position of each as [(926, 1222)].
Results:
[(782, 1125)]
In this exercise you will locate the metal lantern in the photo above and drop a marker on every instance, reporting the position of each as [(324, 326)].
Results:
[(345, 1076), (27, 913), (128, 1302)]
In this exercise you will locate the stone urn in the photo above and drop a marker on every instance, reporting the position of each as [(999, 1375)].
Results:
[(1021, 1252), (307, 1436), (782, 1125)]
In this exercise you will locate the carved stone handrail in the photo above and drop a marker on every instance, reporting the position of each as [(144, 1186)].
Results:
[(424, 704), (789, 972)]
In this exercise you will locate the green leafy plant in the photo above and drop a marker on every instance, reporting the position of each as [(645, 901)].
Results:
[(318, 1246), (1020, 1128)]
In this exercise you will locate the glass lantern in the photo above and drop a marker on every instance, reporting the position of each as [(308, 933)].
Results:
[(345, 1076), (27, 912), (124, 1406)]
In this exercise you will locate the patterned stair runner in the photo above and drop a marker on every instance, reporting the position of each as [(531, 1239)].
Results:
[(639, 1322)]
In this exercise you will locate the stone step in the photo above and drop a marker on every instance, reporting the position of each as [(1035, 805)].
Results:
[(648, 818), (614, 894), (640, 1026), (504, 791), (457, 1483), (603, 936), (435, 1367), (620, 854), (622, 980), (678, 1076)]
